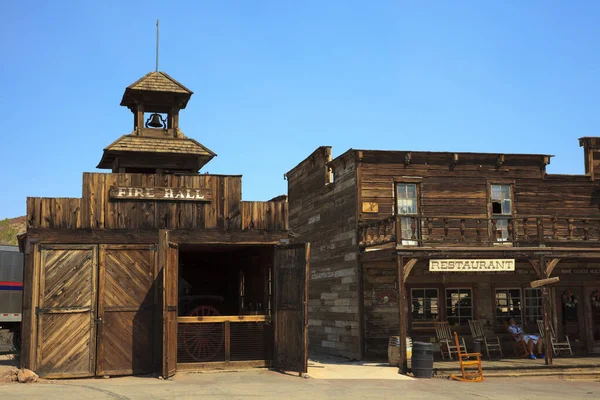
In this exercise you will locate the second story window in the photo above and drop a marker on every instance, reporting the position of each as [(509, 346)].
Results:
[(501, 198), (407, 206)]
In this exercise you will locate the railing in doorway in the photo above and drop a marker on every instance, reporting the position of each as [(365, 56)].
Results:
[(240, 340)]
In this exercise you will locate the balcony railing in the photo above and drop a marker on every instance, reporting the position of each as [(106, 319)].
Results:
[(472, 231)]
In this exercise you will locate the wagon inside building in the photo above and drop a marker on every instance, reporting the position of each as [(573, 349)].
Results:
[(159, 268)]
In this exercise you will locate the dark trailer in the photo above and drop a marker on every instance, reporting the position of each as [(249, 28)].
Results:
[(11, 290), (157, 267)]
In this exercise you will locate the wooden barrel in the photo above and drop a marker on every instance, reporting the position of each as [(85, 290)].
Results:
[(394, 350), (422, 360)]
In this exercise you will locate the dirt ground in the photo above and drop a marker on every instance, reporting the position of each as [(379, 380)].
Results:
[(337, 380)]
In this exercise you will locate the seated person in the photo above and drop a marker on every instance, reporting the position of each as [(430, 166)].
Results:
[(530, 340)]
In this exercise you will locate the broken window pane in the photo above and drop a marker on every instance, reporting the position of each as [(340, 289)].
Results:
[(496, 208)]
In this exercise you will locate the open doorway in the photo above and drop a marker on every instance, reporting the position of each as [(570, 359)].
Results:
[(227, 280), (224, 303)]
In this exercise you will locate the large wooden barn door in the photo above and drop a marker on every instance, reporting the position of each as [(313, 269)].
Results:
[(290, 277), (126, 299), (170, 297), (66, 336)]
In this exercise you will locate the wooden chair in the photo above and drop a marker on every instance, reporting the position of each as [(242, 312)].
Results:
[(491, 343), (466, 366), (444, 337), (518, 343), (557, 346)]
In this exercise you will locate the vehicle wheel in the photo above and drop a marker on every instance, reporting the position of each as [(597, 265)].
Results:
[(203, 341)]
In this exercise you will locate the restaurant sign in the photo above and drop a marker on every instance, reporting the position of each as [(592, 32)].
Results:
[(159, 193), (479, 265)]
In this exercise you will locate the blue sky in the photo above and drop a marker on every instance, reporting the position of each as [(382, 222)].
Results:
[(273, 80)]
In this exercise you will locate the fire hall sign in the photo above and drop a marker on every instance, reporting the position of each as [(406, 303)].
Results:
[(159, 193), (480, 265)]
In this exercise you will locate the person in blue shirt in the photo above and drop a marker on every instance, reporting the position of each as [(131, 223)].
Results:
[(530, 340)]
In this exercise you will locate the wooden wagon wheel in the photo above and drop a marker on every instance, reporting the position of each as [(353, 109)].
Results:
[(203, 341)]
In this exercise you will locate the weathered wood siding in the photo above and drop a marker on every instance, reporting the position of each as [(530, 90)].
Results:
[(96, 211), (380, 313), (461, 191), (324, 214), (445, 190)]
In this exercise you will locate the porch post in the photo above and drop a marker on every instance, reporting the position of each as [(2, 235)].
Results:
[(402, 318), (546, 305)]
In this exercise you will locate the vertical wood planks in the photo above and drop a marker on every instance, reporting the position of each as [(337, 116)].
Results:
[(95, 211), (264, 215), (54, 213), (234, 198)]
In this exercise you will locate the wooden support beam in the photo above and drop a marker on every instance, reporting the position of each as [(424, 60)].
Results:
[(551, 266), (535, 264), (408, 267), (546, 309), (398, 230), (142, 236), (544, 282), (402, 316)]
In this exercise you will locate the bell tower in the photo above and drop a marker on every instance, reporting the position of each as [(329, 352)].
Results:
[(156, 144)]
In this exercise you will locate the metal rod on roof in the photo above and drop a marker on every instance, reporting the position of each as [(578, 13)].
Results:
[(157, 28)]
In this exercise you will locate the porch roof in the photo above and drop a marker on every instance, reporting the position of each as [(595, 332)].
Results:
[(479, 252)]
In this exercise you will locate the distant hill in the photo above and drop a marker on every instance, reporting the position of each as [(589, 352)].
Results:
[(10, 228)]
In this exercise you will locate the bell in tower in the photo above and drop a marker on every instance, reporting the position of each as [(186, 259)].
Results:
[(156, 144)]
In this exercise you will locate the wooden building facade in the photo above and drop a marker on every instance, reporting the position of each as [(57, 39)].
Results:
[(158, 268), (400, 240)]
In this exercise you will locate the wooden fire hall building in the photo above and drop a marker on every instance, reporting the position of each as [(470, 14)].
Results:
[(402, 239), (158, 268)]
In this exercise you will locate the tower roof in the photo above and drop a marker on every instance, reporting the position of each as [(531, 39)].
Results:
[(127, 145), (157, 82)]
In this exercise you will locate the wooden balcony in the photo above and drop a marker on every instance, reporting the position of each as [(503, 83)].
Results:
[(520, 231)]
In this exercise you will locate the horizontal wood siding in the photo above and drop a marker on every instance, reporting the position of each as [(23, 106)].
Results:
[(324, 214), (96, 211), (381, 316), (461, 190)]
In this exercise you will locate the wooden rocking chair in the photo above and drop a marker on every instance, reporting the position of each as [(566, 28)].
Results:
[(444, 337), (518, 343), (557, 346), (491, 343), (469, 374)]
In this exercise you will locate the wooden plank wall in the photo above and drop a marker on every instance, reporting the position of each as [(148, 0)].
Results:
[(445, 190), (462, 190), (381, 316), (44, 212), (95, 210), (265, 215), (324, 214)]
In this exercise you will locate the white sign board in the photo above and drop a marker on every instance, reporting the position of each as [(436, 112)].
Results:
[(480, 265)]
